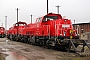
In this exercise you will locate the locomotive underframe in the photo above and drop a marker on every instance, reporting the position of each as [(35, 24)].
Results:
[(2, 35), (52, 41)]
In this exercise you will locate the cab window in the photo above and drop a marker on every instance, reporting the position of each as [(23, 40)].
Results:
[(46, 18), (39, 19)]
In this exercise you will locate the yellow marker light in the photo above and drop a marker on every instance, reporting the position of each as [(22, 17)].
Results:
[(71, 37), (71, 31)]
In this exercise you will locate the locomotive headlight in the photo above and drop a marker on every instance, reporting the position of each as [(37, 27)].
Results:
[(61, 34)]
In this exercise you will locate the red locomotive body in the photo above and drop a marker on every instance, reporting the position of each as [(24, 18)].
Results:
[(2, 32), (47, 29), (51, 25), (50, 30)]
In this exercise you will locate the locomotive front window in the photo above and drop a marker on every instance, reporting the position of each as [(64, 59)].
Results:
[(50, 17)]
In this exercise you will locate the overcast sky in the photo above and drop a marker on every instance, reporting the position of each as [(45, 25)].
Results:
[(78, 10)]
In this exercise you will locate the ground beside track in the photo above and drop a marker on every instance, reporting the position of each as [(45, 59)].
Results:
[(32, 52)]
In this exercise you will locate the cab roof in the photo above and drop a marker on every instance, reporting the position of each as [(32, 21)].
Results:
[(52, 14)]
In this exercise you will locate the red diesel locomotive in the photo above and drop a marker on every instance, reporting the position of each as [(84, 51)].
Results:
[(2, 32), (50, 30), (17, 28)]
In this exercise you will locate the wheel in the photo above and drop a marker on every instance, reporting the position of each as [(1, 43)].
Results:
[(29, 42), (32, 40)]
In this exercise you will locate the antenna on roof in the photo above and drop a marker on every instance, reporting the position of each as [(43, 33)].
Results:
[(58, 8)]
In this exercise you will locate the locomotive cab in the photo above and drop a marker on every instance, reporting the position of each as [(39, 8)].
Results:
[(20, 26), (51, 16)]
